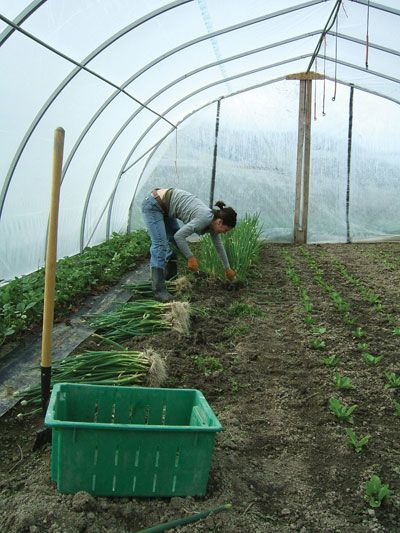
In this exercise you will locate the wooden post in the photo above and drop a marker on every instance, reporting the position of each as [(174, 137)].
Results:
[(303, 154), (50, 269)]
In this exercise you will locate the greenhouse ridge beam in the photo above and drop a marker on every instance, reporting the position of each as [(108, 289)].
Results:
[(20, 18)]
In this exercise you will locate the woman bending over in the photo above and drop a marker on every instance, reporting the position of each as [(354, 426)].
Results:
[(161, 209)]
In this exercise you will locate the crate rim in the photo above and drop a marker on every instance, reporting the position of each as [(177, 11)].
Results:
[(51, 422)]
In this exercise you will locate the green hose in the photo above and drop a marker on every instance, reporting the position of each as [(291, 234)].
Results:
[(182, 521)]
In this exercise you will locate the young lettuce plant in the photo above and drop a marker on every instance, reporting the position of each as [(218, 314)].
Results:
[(376, 492), (358, 333), (371, 359), (341, 411), (318, 344), (354, 441), (393, 380), (331, 360), (342, 382)]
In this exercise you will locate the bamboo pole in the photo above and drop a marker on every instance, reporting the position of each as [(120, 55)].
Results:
[(50, 268)]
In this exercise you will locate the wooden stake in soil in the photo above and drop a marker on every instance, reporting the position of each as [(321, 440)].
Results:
[(50, 269)]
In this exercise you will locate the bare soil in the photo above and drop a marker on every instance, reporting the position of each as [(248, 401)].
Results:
[(282, 458)]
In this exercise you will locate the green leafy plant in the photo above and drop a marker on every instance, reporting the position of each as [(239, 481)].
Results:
[(318, 344), (331, 360), (396, 408), (340, 410), (358, 443), (96, 268), (142, 317), (234, 385), (236, 330), (342, 382), (358, 333), (376, 491), (394, 381), (208, 364), (244, 309), (317, 330), (396, 331), (242, 244), (371, 359), (363, 346), (308, 319)]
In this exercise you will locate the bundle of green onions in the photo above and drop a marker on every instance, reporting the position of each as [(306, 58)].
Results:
[(242, 245), (116, 367), (143, 317), (179, 285)]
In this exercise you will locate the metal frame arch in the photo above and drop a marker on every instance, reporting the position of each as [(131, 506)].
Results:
[(170, 53), (68, 79), (123, 170), (257, 86), (185, 76), (158, 93), (350, 65)]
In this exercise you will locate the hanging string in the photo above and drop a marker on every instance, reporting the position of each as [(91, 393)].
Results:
[(315, 91), (367, 39), (324, 84), (176, 153), (336, 47)]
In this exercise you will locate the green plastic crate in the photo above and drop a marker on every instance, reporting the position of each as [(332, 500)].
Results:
[(130, 441)]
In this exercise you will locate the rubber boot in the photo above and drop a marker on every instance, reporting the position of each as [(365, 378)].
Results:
[(171, 268), (158, 285)]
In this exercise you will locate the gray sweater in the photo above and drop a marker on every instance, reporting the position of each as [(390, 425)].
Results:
[(196, 217)]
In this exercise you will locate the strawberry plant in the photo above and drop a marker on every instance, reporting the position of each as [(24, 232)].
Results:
[(376, 492), (358, 444)]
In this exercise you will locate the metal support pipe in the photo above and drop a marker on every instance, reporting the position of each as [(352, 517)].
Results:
[(349, 139), (214, 167)]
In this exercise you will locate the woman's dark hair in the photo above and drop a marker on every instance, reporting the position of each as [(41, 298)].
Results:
[(226, 214)]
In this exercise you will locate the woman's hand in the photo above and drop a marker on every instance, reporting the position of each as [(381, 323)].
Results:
[(230, 274), (193, 264)]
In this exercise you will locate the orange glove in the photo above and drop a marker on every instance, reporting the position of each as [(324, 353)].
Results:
[(230, 274), (193, 264)]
